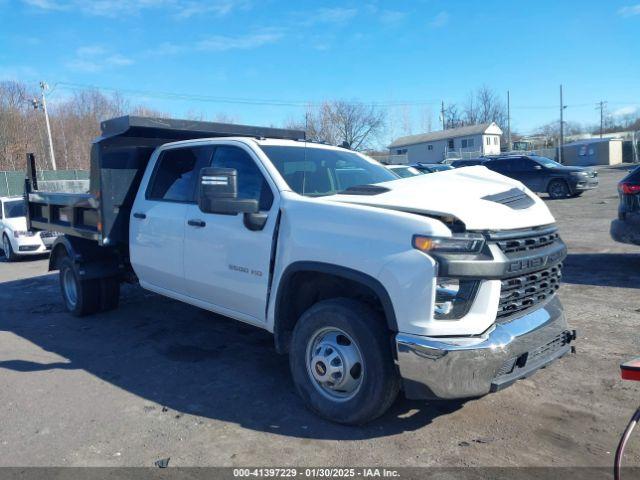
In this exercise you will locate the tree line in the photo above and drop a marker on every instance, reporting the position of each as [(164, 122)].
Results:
[(75, 122)]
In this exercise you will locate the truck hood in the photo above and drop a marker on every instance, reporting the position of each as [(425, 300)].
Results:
[(458, 193), (16, 223)]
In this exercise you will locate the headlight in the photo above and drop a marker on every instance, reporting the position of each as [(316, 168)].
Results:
[(453, 297), (578, 174), (461, 243), (22, 233)]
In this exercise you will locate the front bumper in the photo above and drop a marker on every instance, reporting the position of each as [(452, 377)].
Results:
[(465, 367), (583, 184)]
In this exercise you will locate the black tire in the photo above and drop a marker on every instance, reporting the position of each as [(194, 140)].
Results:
[(109, 294), (380, 380), (87, 297), (558, 189), (9, 254)]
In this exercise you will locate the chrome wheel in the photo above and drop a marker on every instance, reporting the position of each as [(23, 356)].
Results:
[(334, 364), (70, 288)]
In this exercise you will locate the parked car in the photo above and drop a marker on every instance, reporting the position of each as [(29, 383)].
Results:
[(432, 167), (443, 285), (470, 162), (543, 175), (17, 239), (404, 171), (626, 228)]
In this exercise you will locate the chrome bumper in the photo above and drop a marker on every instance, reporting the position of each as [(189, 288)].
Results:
[(464, 367)]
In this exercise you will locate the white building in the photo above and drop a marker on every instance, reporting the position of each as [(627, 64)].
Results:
[(483, 139)]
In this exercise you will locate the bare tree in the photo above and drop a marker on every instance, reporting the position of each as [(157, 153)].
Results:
[(352, 124), (452, 117), (484, 106), (75, 122)]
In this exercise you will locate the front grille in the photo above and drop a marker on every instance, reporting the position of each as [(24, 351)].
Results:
[(524, 240), (524, 291)]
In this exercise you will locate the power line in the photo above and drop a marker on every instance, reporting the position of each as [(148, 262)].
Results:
[(232, 100)]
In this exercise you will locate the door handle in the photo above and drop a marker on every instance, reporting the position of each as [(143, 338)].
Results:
[(139, 215), (196, 223)]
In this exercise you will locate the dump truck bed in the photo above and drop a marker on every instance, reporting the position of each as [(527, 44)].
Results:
[(119, 158)]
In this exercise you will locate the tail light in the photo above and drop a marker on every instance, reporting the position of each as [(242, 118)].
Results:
[(628, 188), (630, 370)]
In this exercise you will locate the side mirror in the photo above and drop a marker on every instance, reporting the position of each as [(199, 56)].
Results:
[(218, 193)]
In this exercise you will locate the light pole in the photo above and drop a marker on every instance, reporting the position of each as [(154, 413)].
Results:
[(561, 140), (43, 103)]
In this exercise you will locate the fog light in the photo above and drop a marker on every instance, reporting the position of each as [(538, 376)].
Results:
[(454, 297)]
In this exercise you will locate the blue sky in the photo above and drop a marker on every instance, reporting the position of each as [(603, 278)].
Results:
[(416, 52)]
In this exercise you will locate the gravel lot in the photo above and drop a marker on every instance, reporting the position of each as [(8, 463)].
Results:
[(159, 379)]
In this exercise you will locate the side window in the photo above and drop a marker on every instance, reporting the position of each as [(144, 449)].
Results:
[(523, 165), (176, 174), (450, 143), (251, 182), (499, 166)]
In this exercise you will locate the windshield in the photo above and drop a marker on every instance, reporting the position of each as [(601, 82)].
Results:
[(14, 208), (547, 162), (316, 172), (405, 172)]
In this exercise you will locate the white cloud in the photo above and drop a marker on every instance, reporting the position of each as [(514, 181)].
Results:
[(96, 58), (113, 8), (630, 10), (220, 43), (332, 15), (392, 17), (628, 110), (440, 20)]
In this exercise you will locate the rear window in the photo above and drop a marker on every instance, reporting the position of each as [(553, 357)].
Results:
[(176, 174), (634, 176)]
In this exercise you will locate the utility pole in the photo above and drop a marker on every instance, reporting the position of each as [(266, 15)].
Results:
[(561, 140), (509, 121), (43, 87), (601, 105), (442, 113)]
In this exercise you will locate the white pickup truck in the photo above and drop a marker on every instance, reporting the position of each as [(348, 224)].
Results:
[(442, 285)]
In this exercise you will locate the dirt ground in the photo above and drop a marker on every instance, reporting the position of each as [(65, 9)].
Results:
[(157, 379)]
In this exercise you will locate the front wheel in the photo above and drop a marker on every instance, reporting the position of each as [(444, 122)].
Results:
[(558, 189), (9, 254), (341, 361)]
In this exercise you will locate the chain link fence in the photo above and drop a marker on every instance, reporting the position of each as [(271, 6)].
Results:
[(71, 181)]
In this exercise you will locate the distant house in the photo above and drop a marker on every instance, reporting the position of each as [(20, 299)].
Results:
[(433, 147)]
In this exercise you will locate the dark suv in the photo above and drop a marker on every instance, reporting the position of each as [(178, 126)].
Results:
[(542, 174), (626, 228)]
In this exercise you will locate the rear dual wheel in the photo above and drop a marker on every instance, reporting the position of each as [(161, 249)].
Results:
[(341, 361), (84, 297)]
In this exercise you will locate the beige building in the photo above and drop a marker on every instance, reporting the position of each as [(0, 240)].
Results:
[(593, 151)]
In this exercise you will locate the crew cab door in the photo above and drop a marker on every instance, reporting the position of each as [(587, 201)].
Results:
[(227, 264), (157, 223)]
